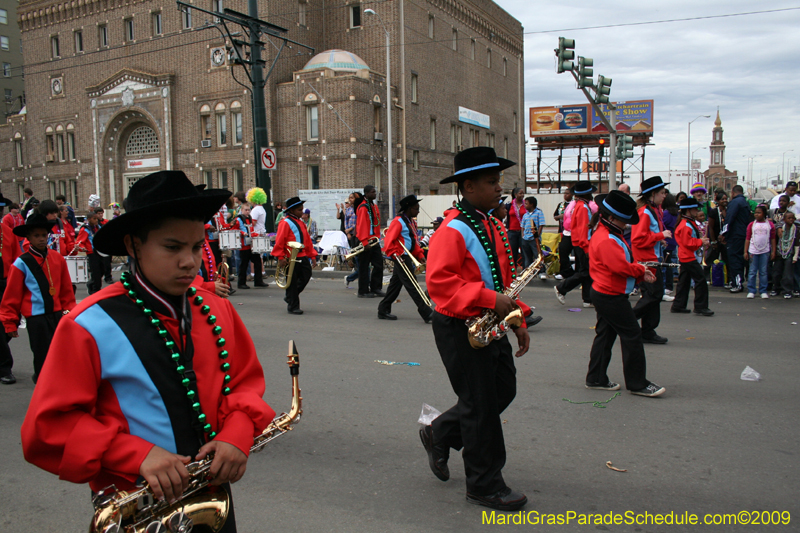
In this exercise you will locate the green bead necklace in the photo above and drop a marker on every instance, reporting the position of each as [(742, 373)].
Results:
[(487, 246), (175, 353)]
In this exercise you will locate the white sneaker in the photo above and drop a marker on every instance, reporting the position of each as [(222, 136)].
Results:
[(559, 277), (559, 296), (346, 283), (543, 276), (764, 296), (667, 291), (667, 298), (751, 295), (586, 304)]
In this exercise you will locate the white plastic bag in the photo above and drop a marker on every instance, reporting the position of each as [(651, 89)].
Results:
[(748, 374), (428, 414)]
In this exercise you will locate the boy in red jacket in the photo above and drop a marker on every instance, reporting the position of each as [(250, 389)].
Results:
[(581, 215), (614, 273), (38, 288), (292, 229), (690, 239), (9, 250), (368, 228)]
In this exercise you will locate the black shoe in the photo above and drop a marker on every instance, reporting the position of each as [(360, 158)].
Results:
[(262, 284), (651, 391), (681, 310), (367, 295), (379, 293), (109, 280), (8, 379), (428, 319), (655, 340), (243, 286), (231, 291), (437, 457), (295, 311), (386, 316), (603, 386), (532, 321), (502, 500), (704, 312)]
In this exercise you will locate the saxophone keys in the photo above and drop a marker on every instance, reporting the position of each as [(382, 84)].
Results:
[(155, 527), (179, 523)]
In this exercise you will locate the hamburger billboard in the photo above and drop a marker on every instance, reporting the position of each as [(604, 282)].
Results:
[(632, 117)]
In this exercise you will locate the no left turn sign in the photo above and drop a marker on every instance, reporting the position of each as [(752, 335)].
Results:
[(268, 159)]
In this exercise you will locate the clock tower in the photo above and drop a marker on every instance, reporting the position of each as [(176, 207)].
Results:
[(717, 176)]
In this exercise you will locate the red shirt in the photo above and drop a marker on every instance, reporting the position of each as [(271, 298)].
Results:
[(646, 236), (515, 214), (291, 228), (688, 236), (610, 263), (363, 229), (9, 247), (402, 230), (458, 276), (581, 215)]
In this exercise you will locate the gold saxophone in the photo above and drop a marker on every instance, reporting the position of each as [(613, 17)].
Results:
[(283, 276), (488, 326), (139, 512)]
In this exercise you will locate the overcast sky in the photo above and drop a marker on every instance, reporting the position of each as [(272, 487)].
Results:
[(745, 65)]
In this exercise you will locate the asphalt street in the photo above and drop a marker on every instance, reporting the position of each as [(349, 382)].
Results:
[(354, 463)]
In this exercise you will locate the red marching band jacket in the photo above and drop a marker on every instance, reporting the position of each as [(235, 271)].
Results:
[(9, 247), (216, 225), (459, 278), (646, 236), (207, 277), (365, 231), (290, 229), (611, 265), (402, 230), (83, 243), (581, 215), (688, 236), (60, 239)]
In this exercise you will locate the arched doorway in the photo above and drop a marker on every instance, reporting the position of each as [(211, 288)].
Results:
[(133, 150)]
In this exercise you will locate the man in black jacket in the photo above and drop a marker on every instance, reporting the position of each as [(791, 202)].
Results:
[(737, 218), (29, 203)]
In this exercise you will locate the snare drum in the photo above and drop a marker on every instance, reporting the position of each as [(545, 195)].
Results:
[(261, 245), (78, 267), (230, 240)]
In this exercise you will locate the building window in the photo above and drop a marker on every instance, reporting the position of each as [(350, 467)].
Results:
[(355, 18), (102, 33), (313, 176), (453, 138), (431, 27), (4, 43), (78, 41), (490, 139), (157, 28), (236, 119), (301, 12), (216, 5), (143, 141), (51, 147), (222, 179), (222, 129), (8, 93), (312, 122), (187, 18), (414, 95), (129, 30), (505, 67), (488, 59), (415, 159), (505, 147), (716, 158), (3, 16), (433, 134), (6, 71), (515, 122), (208, 179), (377, 172), (238, 179), (455, 39), (376, 119), (472, 49), (70, 142), (55, 47), (476, 137), (18, 148)]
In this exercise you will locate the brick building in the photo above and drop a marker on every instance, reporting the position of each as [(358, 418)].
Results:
[(117, 89), (12, 84)]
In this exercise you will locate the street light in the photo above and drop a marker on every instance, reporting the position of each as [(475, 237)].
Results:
[(689, 149), (669, 172), (388, 112), (751, 165), (783, 170)]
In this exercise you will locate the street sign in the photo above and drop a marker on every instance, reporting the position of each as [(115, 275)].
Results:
[(268, 159)]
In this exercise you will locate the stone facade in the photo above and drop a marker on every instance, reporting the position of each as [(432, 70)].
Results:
[(120, 88)]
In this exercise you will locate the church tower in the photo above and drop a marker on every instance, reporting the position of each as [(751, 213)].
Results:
[(717, 147), (717, 176)]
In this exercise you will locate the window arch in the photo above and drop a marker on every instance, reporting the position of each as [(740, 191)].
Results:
[(142, 141)]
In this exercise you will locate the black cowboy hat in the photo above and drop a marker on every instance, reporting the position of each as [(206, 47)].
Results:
[(619, 205), (167, 193), (408, 201), (652, 184), (689, 203), (294, 201), (35, 221), (470, 162), (583, 187), (4, 202)]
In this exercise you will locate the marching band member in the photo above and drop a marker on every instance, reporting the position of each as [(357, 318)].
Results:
[(159, 373), (368, 228), (292, 228), (85, 243), (690, 239), (403, 229), (216, 224), (580, 234), (9, 250), (244, 224), (59, 240), (647, 242), (38, 288), (470, 262), (207, 277), (614, 272)]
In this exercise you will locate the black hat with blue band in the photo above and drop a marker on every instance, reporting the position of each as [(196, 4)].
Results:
[(473, 162), (652, 184), (619, 205)]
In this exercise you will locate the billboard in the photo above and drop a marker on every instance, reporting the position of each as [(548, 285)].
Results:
[(581, 119)]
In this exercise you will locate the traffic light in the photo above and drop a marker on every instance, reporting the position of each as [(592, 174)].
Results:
[(601, 150), (565, 54), (624, 147), (603, 89), (585, 72)]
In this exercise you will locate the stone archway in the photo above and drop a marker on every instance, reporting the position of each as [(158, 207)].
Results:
[(133, 148)]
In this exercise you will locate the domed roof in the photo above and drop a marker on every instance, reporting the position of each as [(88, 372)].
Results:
[(338, 60)]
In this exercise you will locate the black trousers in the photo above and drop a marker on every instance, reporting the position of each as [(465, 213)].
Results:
[(399, 280), (95, 282), (370, 282), (300, 277), (246, 257), (564, 249), (615, 318), (735, 261), (106, 266), (782, 275), (515, 240), (41, 329), (214, 245), (648, 308), (485, 382), (6, 359), (580, 277), (691, 271)]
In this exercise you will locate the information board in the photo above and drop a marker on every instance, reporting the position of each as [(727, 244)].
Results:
[(322, 203)]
